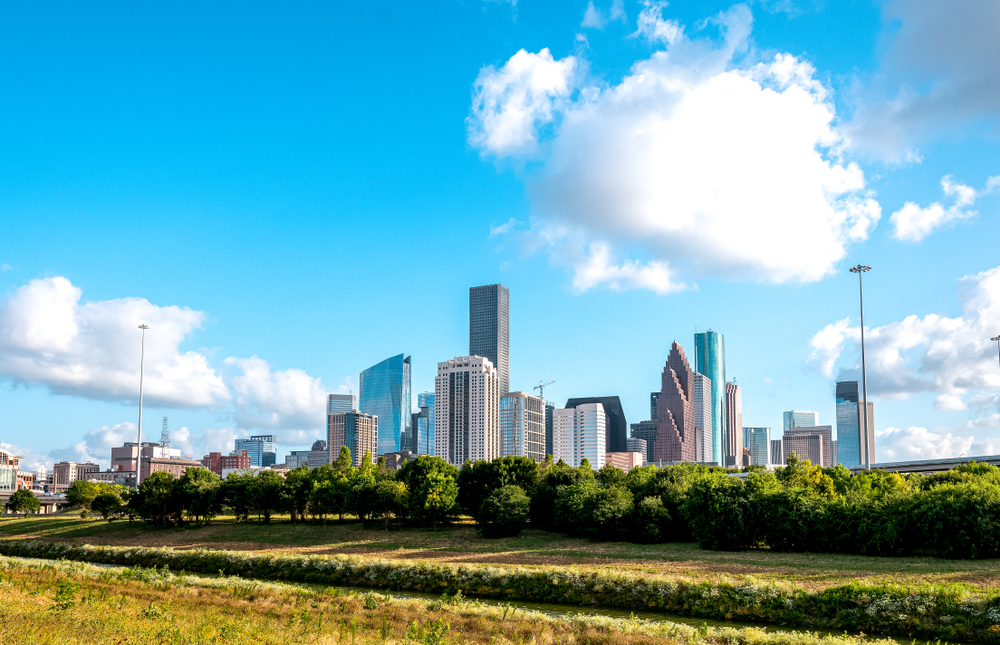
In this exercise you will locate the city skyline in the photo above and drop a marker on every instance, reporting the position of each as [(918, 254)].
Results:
[(233, 192)]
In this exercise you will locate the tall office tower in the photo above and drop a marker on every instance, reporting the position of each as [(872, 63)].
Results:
[(356, 430), (734, 425), (522, 426), (466, 410), (799, 419), (385, 393), (637, 445), (710, 360), (489, 328), (805, 446), (646, 431), (702, 418), (758, 442), (825, 433), (675, 434), (853, 449), (425, 424), (579, 433), (319, 454), (549, 411), (340, 403), (263, 449), (617, 425), (777, 452), (653, 398)]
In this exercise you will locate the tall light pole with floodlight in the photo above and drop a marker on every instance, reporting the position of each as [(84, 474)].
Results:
[(138, 439), (997, 339), (861, 269)]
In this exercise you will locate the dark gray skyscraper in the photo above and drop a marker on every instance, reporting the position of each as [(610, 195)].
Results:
[(489, 320)]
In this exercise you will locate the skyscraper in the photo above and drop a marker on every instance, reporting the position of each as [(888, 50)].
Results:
[(549, 411), (800, 419), (646, 431), (262, 449), (466, 410), (777, 452), (702, 418), (385, 393), (853, 449), (710, 360), (340, 403), (422, 426), (579, 433), (616, 425), (653, 398), (826, 437), (522, 426), (356, 430), (675, 433), (489, 324), (758, 442), (734, 425)]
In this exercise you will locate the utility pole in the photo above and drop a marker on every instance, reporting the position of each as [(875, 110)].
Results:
[(861, 269), (138, 439)]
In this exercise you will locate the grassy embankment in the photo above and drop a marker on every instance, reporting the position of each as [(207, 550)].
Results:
[(61, 602), (461, 544)]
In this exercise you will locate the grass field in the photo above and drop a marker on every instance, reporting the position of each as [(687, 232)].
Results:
[(461, 544), (44, 603)]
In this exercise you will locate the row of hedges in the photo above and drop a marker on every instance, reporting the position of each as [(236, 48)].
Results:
[(926, 612)]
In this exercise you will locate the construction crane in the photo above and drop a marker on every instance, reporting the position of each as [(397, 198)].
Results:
[(541, 388)]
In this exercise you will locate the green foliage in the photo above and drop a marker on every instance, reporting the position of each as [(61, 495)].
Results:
[(237, 492), (652, 521), (504, 512), (23, 501), (81, 494), (960, 520), (440, 494), (543, 500), (199, 490), (415, 475), (157, 500), (297, 489), (109, 505), (722, 513), (477, 480)]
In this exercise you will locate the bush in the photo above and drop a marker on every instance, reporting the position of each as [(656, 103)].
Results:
[(108, 505), (504, 513), (652, 521), (960, 520)]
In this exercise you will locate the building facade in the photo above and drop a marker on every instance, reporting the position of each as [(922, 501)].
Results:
[(799, 419), (319, 453), (758, 442), (10, 469), (676, 439), (614, 414), (216, 461), (702, 418), (805, 446), (385, 393), (550, 409), (624, 460), (734, 425), (340, 403), (710, 360), (263, 449), (639, 446), (466, 410), (825, 433), (777, 452), (175, 466), (522, 426), (853, 448), (646, 431), (356, 430), (123, 458), (580, 433), (489, 329)]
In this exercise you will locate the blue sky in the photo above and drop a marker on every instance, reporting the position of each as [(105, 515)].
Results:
[(290, 195)]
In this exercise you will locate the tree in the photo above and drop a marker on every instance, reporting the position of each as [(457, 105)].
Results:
[(109, 505), (199, 492), (81, 493), (504, 513), (476, 481), (267, 488), (609, 476), (297, 487), (391, 500), (415, 474), (157, 501), (364, 490), (440, 495), (23, 501), (237, 492), (344, 461), (609, 512), (543, 498), (652, 521)]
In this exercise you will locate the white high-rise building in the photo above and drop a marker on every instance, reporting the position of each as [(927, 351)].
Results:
[(466, 410), (522, 426), (702, 418), (579, 433)]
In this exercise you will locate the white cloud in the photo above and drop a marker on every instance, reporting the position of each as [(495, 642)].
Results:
[(913, 443), (510, 104), (940, 76), (950, 357), (91, 349), (592, 17), (913, 223), (284, 399), (5, 267), (504, 228), (97, 443), (706, 164)]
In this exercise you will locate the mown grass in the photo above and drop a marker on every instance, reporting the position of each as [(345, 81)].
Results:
[(460, 543), (46, 603)]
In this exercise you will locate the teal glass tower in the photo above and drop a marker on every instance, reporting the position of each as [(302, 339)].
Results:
[(385, 392), (710, 360)]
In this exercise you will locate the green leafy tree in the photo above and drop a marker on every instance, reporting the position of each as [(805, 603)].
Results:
[(268, 493), (23, 501), (477, 480), (415, 474), (238, 495), (543, 498), (504, 512), (391, 498), (609, 511), (960, 520), (652, 521), (157, 501), (572, 507), (81, 493), (364, 490), (800, 473), (297, 488), (440, 495), (109, 505), (723, 512), (199, 490), (344, 461), (609, 476)]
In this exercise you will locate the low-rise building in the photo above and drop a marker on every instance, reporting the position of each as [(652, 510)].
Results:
[(217, 462), (176, 467), (395, 460), (624, 460)]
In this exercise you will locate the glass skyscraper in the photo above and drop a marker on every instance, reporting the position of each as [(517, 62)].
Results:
[(385, 392), (800, 419), (489, 333), (425, 424), (758, 442), (262, 449), (853, 450), (710, 360)]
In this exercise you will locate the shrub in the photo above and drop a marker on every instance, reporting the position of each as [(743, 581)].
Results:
[(543, 499), (415, 474), (504, 513), (652, 521), (960, 520), (108, 505), (609, 513)]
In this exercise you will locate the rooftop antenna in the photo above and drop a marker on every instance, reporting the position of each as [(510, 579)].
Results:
[(165, 434)]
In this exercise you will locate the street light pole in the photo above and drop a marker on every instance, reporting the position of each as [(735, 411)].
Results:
[(138, 439), (860, 269), (997, 339)]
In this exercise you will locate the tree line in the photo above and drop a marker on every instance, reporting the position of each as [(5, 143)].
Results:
[(799, 507)]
